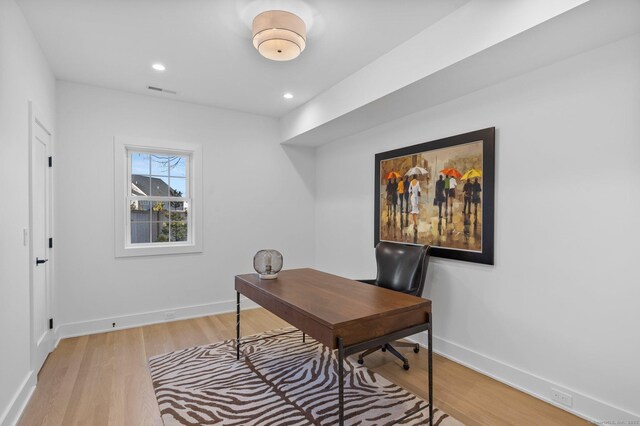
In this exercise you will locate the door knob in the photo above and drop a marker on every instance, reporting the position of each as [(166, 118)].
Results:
[(39, 261)]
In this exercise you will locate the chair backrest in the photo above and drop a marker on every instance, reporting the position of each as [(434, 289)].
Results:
[(402, 267)]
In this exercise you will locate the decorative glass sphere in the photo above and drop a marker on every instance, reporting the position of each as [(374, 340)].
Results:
[(267, 264)]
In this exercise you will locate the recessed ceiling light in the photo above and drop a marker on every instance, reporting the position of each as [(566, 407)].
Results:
[(158, 67), (287, 96)]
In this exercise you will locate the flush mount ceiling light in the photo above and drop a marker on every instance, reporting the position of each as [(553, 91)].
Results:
[(279, 35), (158, 67), (288, 95)]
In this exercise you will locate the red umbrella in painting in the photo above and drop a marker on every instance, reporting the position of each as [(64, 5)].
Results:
[(451, 172), (393, 175)]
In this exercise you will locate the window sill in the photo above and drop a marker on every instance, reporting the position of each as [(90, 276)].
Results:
[(152, 250)]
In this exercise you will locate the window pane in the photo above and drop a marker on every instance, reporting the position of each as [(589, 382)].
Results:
[(178, 213), (140, 232), (140, 211), (160, 211), (178, 206), (140, 185), (178, 231), (160, 165), (178, 187), (139, 163), (159, 232), (178, 166), (160, 186)]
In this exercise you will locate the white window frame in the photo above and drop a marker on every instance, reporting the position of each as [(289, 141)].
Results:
[(123, 145)]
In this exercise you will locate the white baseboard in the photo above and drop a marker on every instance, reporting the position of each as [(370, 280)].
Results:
[(13, 412), (584, 406), (102, 325)]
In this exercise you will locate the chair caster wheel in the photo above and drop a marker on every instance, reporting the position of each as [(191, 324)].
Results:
[(406, 366), (361, 361), (416, 349), (383, 349)]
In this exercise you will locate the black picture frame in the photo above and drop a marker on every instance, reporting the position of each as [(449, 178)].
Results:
[(485, 255)]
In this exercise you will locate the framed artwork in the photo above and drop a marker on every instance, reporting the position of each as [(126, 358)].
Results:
[(439, 193)]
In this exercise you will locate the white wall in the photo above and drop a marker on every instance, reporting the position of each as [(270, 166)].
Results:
[(561, 303), (24, 76), (257, 194)]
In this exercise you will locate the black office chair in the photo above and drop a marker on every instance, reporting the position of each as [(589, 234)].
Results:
[(401, 268)]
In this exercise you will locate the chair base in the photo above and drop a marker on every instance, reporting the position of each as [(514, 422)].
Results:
[(394, 351)]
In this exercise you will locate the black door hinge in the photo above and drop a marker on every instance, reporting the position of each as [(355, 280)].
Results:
[(50, 323), (50, 242), (50, 161)]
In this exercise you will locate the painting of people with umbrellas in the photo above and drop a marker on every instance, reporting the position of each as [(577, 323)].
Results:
[(439, 193)]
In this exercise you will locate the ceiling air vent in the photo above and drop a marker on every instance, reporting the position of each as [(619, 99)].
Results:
[(160, 89)]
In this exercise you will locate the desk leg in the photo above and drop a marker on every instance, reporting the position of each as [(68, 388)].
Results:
[(237, 325), (340, 381), (430, 360)]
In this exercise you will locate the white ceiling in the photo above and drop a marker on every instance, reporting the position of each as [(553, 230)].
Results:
[(206, 45)]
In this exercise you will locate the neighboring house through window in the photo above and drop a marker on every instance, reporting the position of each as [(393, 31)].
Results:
[(159, 203)]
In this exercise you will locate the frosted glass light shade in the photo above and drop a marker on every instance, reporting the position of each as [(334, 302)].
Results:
[(279, 35), (267, 264)]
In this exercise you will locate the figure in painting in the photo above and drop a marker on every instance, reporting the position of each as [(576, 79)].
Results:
[(467, 190), (447, 179), (475, 196), (452, 189), (440, 195), (392, 196), (401, 190), (414, 191), (406, 200)]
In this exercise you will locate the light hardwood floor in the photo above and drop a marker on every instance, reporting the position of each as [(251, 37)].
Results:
[(103, 379)]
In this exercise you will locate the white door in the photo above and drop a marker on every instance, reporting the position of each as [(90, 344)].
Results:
[(41, 339)]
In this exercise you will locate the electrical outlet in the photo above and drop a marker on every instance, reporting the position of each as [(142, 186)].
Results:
[(170, 315), (562, 397)]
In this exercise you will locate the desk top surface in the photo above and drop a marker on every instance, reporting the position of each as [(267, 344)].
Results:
[(329, 299)]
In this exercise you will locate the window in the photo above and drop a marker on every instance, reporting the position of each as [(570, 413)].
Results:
[(157, 197)]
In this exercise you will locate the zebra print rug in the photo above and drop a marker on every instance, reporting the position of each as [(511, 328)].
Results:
[(279, 381)]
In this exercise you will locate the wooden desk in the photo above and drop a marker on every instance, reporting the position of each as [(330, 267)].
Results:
[(340, 313)]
